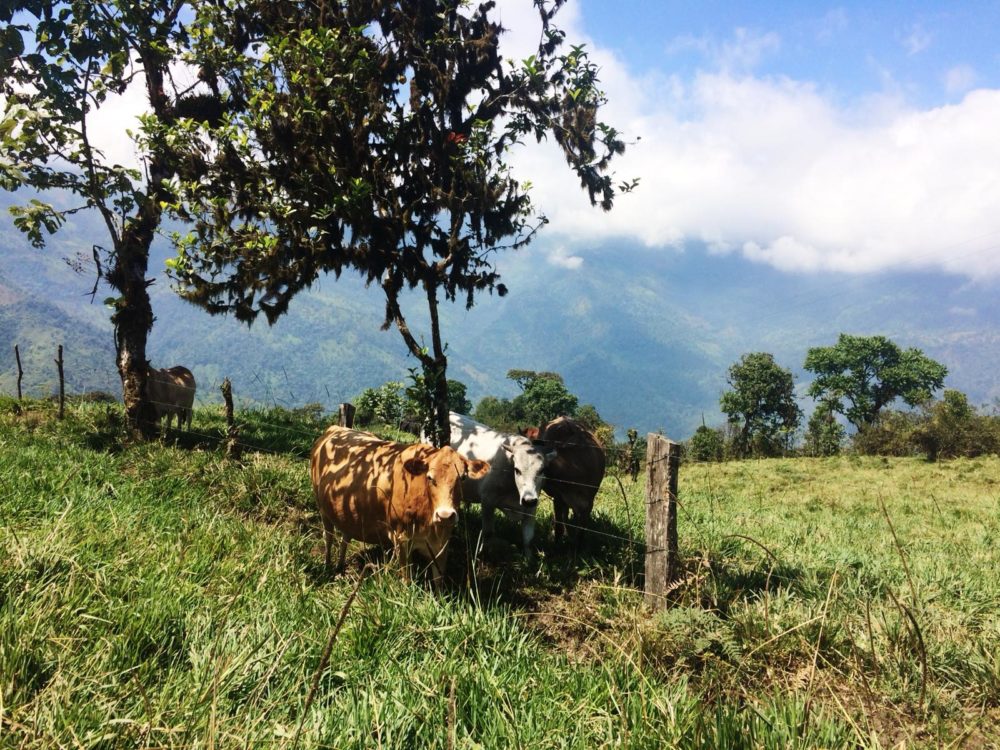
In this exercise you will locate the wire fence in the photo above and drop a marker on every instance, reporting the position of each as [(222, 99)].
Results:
[(615, 453), (630, 541)]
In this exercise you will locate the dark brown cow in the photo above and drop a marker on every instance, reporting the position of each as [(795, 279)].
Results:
[(573, 477), (380, 492), (172, 392)]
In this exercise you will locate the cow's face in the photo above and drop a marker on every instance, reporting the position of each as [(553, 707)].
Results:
[(529, 470), (444, 471)]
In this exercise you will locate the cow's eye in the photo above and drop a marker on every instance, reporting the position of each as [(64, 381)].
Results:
[(430, 478), (517, 471)]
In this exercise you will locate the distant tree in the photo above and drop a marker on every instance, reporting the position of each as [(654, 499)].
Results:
[(382, 405), (587, 415), (824, 434), (870, 372), (418, 409), (60, 61), (375, 139), (544, 398), (761, 404), (525, 378), (458, 399), (498, 413), (632, 453), (706, 444)]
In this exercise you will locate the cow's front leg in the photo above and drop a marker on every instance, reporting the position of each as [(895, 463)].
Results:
[(527, 536), (489, 517), (438, 563)]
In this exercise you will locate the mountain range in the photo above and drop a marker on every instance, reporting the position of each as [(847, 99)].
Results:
[(645, 335)]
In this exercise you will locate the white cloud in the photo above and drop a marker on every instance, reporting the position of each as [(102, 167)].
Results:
[(776, 169), (107, 126), (743, 51), (563, 259), (965, 312), (916, 40), (959, 79)]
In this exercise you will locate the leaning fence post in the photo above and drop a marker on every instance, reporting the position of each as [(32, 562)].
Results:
[(347, 415), (232, 432), (20, 370), (62, 384), (662, 558)]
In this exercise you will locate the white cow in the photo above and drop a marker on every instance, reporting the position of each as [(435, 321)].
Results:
[(516, 473)]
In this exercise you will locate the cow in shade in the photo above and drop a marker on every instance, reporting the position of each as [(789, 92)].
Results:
[(172, 392), (380, 492), (573, 477)]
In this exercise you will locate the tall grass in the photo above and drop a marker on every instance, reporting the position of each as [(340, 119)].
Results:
[(162, 596)]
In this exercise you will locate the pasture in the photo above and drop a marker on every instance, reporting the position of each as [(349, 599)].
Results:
[(163, 596)]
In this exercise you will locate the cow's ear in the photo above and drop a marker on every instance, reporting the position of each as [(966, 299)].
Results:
[(476, 469), (416, 466)]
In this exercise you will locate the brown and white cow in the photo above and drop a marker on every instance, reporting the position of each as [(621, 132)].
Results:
[(380, 492), (171, 392), (573, 477)]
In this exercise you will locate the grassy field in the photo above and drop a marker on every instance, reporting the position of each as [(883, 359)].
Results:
[(165, 596)]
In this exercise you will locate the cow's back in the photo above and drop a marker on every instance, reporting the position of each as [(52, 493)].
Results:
[(360, 487), (183, 386), (477, 441)]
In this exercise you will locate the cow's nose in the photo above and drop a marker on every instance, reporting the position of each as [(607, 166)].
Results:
[(529, 502), (445, 515)]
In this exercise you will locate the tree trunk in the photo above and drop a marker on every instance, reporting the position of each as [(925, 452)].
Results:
[(434, 365), (437, 381), (133, 320)]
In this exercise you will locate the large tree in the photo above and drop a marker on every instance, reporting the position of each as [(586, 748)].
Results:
[(375, 138), (860, 375), (761, 404), (60, 63)]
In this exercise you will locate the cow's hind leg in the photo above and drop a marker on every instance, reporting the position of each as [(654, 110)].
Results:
[(328, 540), (561, 512), (342, 557)]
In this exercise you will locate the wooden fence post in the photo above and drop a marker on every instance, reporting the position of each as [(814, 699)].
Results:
[(347, 415), (62, 384), (662, 559), (20, 370), (233, 449)]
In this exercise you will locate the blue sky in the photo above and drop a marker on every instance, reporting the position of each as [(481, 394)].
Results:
[(850, 49), (857, 137)]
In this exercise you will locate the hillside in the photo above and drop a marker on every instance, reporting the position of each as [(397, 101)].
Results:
[(646, 336), (161, 595)]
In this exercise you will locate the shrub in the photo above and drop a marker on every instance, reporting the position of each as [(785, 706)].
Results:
[(382, 405), (951, 428), (890, 435), (706, 444)]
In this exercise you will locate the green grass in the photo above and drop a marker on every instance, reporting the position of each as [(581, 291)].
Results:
[(164, 596)]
